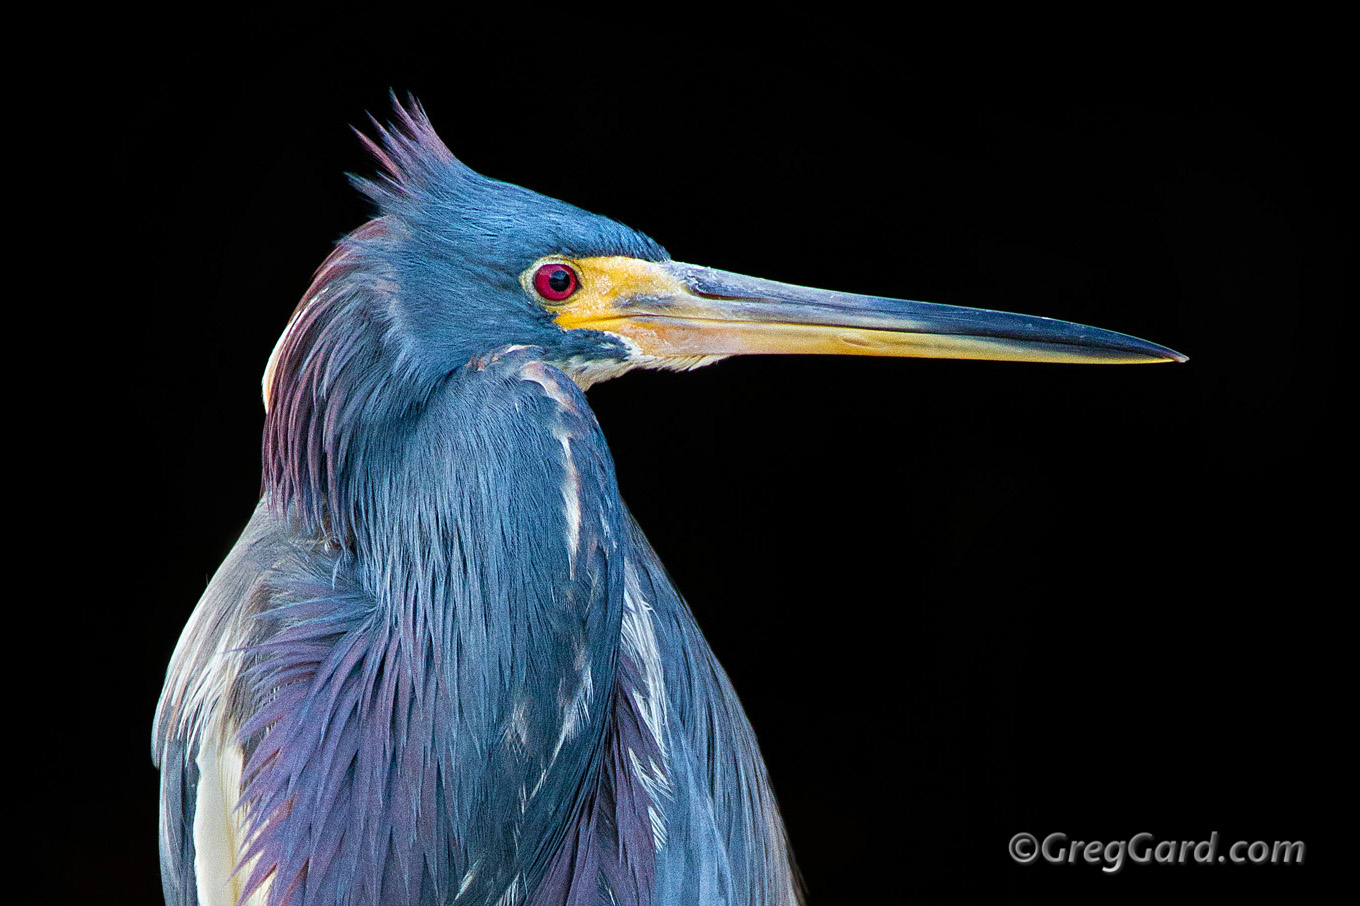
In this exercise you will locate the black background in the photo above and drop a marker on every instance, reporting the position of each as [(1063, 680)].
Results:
[(960, 600)]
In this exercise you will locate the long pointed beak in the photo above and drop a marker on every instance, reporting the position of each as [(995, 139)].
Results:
[(670, 309)]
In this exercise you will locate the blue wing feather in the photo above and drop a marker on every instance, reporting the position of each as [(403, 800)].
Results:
[(728, 780), (496, 691)]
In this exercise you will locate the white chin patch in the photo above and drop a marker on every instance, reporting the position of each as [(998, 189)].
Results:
[(587, 373)]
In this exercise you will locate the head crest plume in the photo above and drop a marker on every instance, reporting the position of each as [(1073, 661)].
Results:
[(435, 196), (410, 152)]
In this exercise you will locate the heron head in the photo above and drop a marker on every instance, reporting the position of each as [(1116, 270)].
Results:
[(457, 265)]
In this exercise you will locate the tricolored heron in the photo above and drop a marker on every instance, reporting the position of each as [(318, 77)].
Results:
[(442, 664)]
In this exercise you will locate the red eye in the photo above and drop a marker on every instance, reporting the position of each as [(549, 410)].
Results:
[(555, 282)]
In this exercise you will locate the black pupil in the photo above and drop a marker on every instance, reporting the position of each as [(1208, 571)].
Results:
[(560, 280)]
